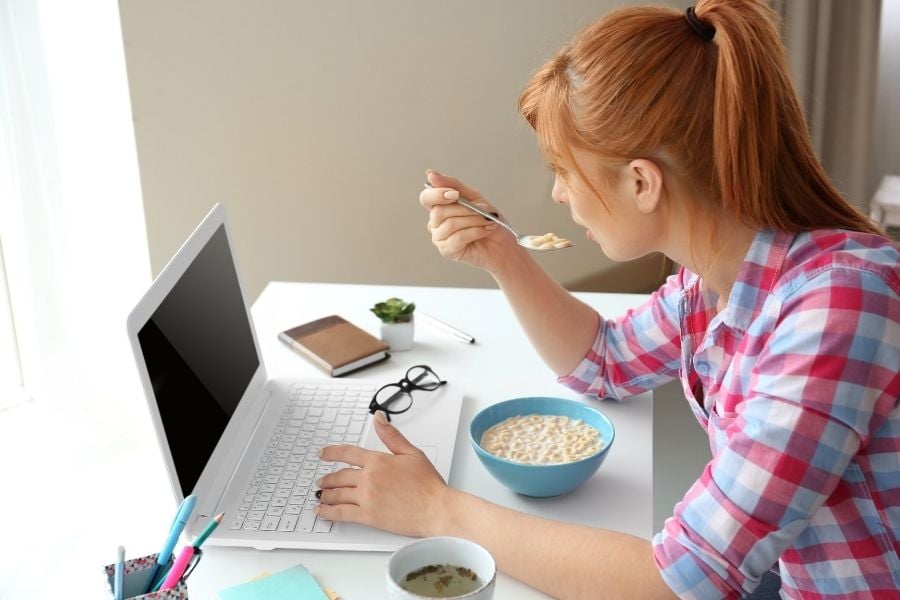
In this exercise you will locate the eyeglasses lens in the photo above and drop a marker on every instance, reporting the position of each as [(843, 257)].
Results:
[(393, 398), (423, 377)]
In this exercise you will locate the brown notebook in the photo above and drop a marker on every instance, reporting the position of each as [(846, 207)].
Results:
[(335, 345)]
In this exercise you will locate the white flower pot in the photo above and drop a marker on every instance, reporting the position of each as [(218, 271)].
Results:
[(398, 335)]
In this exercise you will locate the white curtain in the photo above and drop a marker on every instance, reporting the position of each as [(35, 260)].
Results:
[(11, 390), (71, 219), (833, 52)]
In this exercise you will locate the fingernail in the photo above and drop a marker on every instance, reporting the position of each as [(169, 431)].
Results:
[(451, 195), (319, 482), (319, 494), (316, 509), (381, 417), (319, 452), (438, 173)]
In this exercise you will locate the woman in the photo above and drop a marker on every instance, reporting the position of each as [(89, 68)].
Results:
[(681, 133)]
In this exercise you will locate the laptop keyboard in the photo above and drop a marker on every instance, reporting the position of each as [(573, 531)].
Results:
[(281, 494)]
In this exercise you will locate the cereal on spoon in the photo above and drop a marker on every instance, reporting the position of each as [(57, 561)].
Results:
[(547, 241)]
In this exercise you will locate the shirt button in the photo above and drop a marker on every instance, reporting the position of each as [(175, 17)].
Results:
[(702, 368)]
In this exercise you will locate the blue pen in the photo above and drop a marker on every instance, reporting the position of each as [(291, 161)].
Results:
[(181, 519), (119, 581)]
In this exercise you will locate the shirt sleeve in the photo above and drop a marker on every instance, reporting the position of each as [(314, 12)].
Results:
[(824, 378), (636, 352)]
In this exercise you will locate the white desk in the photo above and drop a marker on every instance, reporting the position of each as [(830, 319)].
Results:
[(499, 366)]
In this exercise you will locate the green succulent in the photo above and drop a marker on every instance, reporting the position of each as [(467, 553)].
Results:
[(394, 310)]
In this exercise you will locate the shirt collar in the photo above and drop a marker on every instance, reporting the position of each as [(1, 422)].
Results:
[(757, 277)]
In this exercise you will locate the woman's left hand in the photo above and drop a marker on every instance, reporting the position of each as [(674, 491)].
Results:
[(401, 492)]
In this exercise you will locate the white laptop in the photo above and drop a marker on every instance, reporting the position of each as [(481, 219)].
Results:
[(243, 443)]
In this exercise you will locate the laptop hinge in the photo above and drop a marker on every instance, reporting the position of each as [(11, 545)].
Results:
[(234, 471), (211, 487)]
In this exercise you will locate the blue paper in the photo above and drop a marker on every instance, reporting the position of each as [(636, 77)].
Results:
[(294, 583)]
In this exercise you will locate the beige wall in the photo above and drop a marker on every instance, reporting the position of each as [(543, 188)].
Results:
[(313, 123)]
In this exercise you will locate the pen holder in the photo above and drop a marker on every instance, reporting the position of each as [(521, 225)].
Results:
[(137, 574)]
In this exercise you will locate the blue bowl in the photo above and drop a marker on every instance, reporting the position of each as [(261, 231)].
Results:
[(541, 480)]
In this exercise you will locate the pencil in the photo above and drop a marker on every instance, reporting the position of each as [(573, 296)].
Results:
[(207, 531)]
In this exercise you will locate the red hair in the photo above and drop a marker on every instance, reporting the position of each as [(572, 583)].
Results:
[(640, 83)]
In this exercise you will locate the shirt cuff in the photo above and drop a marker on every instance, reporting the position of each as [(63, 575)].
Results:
[(688, 576), (587, 377)]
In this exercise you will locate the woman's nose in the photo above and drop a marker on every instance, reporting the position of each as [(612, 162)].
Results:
[(559, 194)]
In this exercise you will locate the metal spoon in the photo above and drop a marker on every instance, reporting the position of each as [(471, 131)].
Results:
[(526, 241)]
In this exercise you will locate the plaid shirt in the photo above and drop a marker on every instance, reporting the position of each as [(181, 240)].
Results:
[(797, 382)]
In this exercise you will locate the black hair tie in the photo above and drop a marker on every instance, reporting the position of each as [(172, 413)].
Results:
[(701, 28)]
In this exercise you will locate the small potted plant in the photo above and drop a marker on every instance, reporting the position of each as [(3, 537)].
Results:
[(396, 322)]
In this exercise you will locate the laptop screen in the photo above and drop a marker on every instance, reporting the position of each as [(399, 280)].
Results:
[(200, 357)]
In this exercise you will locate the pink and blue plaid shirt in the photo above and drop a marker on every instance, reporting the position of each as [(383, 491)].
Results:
[(797, 382)]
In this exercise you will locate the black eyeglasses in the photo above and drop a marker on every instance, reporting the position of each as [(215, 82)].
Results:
[(396, 398)]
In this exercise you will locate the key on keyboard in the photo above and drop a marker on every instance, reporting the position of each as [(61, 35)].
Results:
[(281, 493)]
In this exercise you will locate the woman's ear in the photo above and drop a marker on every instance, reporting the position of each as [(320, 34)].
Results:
[(645, 181)]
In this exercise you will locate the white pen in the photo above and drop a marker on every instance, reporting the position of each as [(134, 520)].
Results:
[(460, 335)]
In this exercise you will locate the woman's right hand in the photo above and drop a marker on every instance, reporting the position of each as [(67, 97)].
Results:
[(458, 233)]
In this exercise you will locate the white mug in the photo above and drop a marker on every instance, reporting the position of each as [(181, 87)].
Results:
[(441, 551)]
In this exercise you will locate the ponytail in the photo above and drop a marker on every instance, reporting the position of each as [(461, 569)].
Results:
[(768, 172), (745, 111)]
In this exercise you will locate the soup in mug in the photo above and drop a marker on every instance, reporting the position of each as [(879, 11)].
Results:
[(441, 581)]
